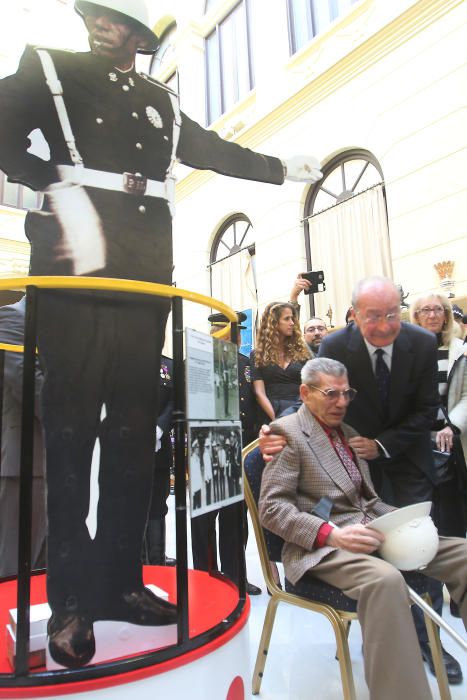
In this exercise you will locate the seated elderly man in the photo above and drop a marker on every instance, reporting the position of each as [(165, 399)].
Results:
[(317, 461)]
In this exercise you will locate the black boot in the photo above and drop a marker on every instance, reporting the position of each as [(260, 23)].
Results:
[(155, 543)]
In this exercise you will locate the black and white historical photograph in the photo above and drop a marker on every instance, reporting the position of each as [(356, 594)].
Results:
[(225, 379), (215, 464)]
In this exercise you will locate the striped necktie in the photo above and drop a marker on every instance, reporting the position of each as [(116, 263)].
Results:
[(352, 470)]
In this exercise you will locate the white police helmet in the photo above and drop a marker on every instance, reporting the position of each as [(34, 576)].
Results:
[(136, 10), (411, 539)]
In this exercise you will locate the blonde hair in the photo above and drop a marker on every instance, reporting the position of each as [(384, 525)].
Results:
[(268, 338), (448, 330)]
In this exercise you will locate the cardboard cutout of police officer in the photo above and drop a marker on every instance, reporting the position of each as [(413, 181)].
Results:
[(114, 136)]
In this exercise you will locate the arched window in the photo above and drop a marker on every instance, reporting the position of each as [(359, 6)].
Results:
[(232, 271), (234, 235), (346, 230), (344, 176)]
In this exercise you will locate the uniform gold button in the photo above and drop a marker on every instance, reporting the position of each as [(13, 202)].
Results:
[(142, 209), (135, 115), (99, 120), (125, 88), (139, 146)]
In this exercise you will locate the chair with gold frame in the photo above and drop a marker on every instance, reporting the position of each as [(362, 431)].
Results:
[(312, 594)]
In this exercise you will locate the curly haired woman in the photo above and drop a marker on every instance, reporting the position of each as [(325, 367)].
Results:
[(277, 360)]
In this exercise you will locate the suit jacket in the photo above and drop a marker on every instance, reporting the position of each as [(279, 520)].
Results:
[(122, 122), (404, 430), (12, 332), (307, 469), (457, 388)]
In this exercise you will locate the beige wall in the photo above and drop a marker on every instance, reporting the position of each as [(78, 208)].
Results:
[(387, 77)]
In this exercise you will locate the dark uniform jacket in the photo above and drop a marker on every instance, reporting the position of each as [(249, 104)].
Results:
[(122, 122), (166, 404), (248, 405)]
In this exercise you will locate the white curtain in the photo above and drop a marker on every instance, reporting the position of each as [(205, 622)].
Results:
[(233, 281), (349, 242)]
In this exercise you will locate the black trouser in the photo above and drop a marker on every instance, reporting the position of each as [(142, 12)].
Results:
[(98, 352), (161, 481), (204, 544), (403, 487)]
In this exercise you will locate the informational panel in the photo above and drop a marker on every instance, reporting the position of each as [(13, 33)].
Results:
[(211, 378)]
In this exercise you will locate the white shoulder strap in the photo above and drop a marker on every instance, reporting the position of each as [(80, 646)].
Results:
[(55, 88), (176, 126), (170, 181)]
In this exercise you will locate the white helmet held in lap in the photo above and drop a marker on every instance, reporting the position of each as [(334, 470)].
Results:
[(411, 539), (135, 10)]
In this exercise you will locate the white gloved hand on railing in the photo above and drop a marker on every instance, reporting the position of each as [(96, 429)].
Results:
[(302, 169), (83, 239)]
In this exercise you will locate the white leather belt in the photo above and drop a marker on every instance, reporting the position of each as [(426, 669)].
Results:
[(131, 183)]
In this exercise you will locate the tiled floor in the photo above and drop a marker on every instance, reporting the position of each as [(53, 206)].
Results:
[(301, 663)]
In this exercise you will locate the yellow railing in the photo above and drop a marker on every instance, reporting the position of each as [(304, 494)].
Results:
[(116, 285)]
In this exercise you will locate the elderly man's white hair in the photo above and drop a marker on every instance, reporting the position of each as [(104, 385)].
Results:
[(321, 365)]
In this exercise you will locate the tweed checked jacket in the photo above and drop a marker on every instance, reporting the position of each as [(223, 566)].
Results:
[(307, 469)]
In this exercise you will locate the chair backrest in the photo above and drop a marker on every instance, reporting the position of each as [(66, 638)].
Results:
[(269, 544)]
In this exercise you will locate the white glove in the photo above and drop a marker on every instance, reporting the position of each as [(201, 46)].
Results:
[(83, 239), (302, 169), (158, 438)]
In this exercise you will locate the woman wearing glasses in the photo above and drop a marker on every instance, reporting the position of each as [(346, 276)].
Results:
[(449, 432), (277, 361)]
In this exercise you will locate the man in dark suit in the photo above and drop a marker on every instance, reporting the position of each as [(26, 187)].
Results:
[(393, 367), (12, 332), (114, 136), (318, 462)]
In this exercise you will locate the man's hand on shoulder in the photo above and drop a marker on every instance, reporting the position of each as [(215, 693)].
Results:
[(364, 447), (359, 539), (270, 444)]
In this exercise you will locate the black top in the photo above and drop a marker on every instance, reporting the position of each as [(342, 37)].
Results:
[(281, 385)]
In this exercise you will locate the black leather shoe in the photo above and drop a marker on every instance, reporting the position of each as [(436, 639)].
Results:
[(71, 640), (140, 607), (453, 669), (251, 589)]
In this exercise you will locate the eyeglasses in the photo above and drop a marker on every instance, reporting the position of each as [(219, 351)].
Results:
[(427, 310), (374, 319), (334, 394)]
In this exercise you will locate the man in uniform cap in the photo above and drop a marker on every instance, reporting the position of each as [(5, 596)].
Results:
[(114, 136), (203, 528)]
